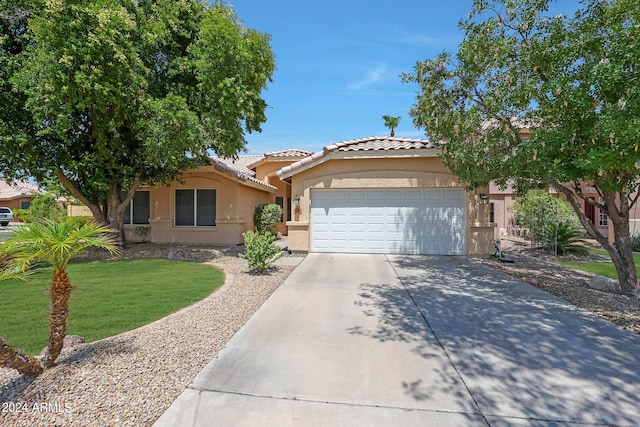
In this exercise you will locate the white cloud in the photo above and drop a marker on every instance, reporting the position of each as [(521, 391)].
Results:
[(400, 35), (372, 76)]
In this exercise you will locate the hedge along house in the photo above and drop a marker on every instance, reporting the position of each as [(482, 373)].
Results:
[(384, 195), (212, 204)]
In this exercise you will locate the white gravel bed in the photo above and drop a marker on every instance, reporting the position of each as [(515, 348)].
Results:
[(132, 378)]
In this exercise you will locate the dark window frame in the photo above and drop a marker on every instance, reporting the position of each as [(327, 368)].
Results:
[(201, 214), (130, 213)]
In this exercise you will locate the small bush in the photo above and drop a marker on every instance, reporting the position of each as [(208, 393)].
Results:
[(260, 251), (568, 240), (79, 221), (635, 242), (539, 211), (266, 217)]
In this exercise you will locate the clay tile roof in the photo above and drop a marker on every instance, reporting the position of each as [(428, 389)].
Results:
[(282, 155), (292, 152), (241, 163), (16, 189), (237, 168), (375, 143), (380, 143)]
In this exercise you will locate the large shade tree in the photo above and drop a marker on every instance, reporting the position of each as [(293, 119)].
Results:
[(108, 95), (573, 81)]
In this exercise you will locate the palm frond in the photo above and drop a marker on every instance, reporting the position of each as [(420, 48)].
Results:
[(54, 242)]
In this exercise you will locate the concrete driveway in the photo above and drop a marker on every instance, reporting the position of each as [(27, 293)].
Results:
[(381, 340)]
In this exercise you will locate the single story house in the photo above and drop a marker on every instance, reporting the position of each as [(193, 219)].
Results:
[(370, 195), (16, 194)]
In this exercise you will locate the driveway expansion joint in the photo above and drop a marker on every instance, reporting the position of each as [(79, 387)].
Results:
[(201, 390), (440, 344)]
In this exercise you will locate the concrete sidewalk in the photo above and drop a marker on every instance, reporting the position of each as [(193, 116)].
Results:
[(414, 341)]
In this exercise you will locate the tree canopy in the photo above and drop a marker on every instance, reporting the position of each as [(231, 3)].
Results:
[(108, 95), (572, 82)]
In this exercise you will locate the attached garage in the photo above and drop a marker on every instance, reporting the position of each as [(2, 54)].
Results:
[(393, 221), (383, 195)]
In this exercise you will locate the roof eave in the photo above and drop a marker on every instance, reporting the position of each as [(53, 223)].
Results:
[(244, 180), (326, 155)]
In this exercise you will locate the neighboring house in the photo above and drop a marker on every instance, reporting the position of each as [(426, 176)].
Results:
[(501, 203), (16, 194), (384, 195), (501, 211)]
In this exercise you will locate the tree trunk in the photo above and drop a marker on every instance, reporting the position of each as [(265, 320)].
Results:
[(621, 252), (60, 292), (622, 257), (14, 359), (115, 219), (114, 207)]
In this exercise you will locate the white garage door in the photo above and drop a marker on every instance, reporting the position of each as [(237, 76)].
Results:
[(394, 221)]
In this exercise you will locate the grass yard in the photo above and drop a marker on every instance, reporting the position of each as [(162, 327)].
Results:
[(111, 297), (602, 268)]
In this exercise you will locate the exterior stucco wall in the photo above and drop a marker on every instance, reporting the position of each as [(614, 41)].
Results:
[(418, 172), (235, 204), (78, 210), (503, 213), (14, 204)]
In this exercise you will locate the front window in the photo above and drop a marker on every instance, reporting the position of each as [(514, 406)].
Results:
[(195, 208), (139, 210), (603, 219)]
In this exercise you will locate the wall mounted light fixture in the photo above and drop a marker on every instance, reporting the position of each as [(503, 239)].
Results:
[(296, 200), (484, 199)]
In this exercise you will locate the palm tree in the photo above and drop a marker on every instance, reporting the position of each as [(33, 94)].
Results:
[(391, 122), (55, 243)]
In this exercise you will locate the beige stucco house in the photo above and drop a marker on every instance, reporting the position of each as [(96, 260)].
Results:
[(384, 195), (212, 204), (370, 195)]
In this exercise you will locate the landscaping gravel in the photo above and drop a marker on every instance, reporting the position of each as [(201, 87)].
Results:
[(541, 269), (132, 378)]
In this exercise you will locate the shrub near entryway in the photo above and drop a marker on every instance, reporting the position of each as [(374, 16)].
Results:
[(260, 251), (266, 217)]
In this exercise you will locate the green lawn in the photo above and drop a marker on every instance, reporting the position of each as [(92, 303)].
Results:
[(111, 297), (602, 268)]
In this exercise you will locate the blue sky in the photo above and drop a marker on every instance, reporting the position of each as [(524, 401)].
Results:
[(339, 65)]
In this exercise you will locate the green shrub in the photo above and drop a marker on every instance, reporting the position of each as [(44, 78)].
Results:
[(539, 211), (635, 242), (568, 239), (266, 218), (260, 251), (79, 221), (42, 207)]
